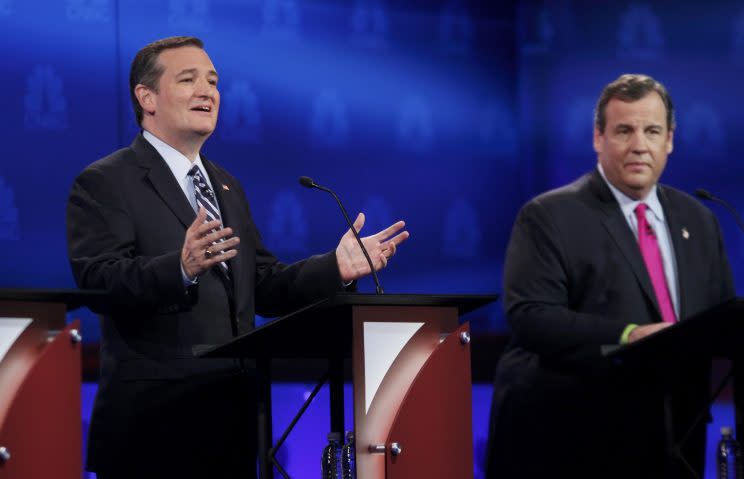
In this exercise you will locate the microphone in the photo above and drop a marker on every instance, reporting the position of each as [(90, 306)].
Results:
[(706, 195), (308, 182)]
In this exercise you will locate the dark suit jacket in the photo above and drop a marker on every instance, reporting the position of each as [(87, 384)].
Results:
[(126, 221), (574, 279)]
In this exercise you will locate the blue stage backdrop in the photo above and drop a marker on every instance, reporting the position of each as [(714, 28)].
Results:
[(406, 108), (448, 114)]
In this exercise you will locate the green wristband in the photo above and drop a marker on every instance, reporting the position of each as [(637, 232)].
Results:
[(626, 333)]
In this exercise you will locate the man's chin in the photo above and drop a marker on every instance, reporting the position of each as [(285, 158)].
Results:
[(639, 181), (203, 132)]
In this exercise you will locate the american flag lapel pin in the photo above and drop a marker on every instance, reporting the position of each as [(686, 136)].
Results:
[(685, 233), (225, 187)]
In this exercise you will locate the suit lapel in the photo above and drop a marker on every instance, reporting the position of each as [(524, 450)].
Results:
[(676, 220), (622, 235), (162, 180)]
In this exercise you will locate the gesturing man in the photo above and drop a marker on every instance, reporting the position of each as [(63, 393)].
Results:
[(168, 234)]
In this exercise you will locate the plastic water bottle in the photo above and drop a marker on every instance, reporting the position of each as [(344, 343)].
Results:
[(331, 461), (729, 456), (348, 457)]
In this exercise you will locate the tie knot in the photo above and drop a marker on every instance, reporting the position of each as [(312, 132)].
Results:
[(195, 171), (640, 210), (200, 184), (643, 224)]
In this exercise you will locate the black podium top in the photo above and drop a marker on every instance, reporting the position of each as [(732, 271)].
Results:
[(323, 328), (72, 298), (715, 333)]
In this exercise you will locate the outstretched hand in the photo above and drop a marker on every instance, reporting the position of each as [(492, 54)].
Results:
[(381, 247)]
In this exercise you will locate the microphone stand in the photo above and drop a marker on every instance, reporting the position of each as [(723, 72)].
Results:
[(309, 183), (706, 195)]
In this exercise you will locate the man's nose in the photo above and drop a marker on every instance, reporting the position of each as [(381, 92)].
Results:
[(203, 88), (639, 143)]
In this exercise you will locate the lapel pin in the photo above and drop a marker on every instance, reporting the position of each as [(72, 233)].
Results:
[(685, 233), (225, 187)]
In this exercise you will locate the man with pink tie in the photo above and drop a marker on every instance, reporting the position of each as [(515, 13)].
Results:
[(611, 258)]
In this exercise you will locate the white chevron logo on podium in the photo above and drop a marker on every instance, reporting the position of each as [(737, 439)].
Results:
[(382, 344)]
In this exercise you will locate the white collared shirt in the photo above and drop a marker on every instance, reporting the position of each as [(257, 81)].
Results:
[(179, 166), (655, 217)]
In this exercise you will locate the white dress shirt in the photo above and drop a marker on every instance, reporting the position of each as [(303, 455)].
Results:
[(180, 166)]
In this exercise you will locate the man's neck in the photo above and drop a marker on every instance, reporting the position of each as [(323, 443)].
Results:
[(635, 195), (188, 148)]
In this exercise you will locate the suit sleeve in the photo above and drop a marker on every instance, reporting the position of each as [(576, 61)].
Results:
[(537, 279), (102, 249), (282, 288)]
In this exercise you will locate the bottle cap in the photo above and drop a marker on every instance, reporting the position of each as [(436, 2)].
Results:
[(335, 436), (349, 435), (726, 431)]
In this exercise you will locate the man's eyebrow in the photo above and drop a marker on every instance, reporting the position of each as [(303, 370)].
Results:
[(194, 71)]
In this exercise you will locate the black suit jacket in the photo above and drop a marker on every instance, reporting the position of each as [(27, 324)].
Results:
[(574, 279), (126, 221)]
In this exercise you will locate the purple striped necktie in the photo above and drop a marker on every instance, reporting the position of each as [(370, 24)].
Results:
[(654, 264), (205, 198)]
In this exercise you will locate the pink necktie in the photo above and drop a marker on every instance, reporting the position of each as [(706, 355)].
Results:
[(654, 265)]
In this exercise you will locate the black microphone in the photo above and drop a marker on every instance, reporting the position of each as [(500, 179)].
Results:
[(308, 182), (706, 195)]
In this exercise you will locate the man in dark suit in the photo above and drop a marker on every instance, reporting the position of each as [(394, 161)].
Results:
[(145, 224), (609, 259)]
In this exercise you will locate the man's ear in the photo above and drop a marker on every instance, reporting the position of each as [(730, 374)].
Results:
[(670, 142), (597, 140), (146, 97)]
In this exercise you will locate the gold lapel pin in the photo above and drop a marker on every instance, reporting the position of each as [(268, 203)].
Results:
[(225, 187), (685, 233)]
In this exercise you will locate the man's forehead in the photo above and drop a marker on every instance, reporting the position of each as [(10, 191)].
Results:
[(177, 60), (650, 108)]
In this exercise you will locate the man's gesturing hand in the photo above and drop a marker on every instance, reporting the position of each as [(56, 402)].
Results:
[(381, 247), (200, 252)]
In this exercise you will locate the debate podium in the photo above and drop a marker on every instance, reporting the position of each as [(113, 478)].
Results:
[(40, 422), (717, 333), (410, 373)]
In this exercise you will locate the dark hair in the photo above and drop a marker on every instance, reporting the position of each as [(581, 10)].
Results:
[(147, 70), (629, 88)]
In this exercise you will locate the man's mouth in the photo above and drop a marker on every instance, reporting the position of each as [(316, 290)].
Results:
[(636, 164), (205, 108)]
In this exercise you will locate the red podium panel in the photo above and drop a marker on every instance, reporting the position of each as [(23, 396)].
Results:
[(375, 411), (40, 417), (433, 428)]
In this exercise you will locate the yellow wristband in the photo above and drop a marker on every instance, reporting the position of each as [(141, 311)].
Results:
[(626, 333)]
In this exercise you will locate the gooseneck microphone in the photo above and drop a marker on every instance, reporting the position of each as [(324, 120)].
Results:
[(706, 195), (308, 182)]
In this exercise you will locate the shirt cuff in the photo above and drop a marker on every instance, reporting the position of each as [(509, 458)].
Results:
[(626, 333), (186, 280)]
